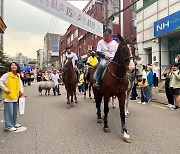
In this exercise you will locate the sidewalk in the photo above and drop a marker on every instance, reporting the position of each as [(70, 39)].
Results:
[(159, 97)]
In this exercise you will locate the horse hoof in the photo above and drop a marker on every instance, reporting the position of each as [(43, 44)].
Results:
[(99, 121), (68, 106), (106, 130), (72, 104), (90, 97), (127, 140), (76, 101), (114, 107), (126, 137)]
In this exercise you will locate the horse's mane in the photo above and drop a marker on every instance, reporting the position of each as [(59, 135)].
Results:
[(118, 53)]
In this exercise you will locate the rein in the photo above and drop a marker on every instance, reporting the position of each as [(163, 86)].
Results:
[(122, 64)]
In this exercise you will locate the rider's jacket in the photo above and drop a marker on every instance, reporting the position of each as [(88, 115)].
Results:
[(92, 61)]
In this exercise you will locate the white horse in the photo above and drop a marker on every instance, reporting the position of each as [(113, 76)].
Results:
[(131, 78)]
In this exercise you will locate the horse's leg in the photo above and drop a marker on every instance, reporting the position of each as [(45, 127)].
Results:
[(113, 103), (106, 110), (90, 91), (126, 137), (46, 92), (75, 97), (98, 100), (72, 101), (126, 103), (68, 101), (85, 88)]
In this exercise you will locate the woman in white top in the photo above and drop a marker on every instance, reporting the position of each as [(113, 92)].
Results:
[(156, 69)]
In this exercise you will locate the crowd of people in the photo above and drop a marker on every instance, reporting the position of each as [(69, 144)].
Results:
[(11, 83), (150, 80)]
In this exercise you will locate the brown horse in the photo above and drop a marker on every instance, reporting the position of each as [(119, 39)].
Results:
[(70, 81), (87, 84), (115, 83)]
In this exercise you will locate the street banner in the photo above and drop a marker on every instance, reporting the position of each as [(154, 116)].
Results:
[(69, 13)]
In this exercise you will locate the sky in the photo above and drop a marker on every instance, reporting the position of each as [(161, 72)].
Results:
[(27, 26)]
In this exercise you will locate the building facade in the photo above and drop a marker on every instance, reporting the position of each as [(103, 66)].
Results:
[(81, 41), (158, 31), (2, 26), (40, 57), (51, 50)]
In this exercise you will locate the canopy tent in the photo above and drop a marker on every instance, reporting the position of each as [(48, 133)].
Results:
[(26, 69)]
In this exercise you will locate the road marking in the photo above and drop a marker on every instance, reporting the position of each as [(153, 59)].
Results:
[(158, 106)]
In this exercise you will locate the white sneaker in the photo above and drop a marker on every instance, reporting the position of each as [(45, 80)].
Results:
[(139, 102), (17, 126), (169, 105), (13, 129), (143, 103)]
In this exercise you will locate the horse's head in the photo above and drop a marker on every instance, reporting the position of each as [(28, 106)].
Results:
[(125, 53), (68, 63)]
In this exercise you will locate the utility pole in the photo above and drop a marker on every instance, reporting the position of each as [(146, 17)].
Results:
[(122, 17)]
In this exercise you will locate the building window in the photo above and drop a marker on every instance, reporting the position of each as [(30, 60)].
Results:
[(76, 33), (72, 37), (68, 40)]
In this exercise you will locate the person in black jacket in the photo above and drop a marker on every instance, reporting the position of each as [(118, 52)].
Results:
[(169, 95)]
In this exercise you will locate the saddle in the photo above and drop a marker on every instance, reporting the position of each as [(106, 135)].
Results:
[(104, 71)]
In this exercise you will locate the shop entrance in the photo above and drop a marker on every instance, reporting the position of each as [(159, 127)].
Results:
[(174, 48), (149, 55)]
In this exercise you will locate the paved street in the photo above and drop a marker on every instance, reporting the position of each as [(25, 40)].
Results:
[(53, 129)]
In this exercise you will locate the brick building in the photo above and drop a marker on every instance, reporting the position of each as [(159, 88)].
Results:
[(82, 41)]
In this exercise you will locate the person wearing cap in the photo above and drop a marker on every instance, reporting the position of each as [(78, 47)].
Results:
[(150, 81), (55, 79), (92, 61)]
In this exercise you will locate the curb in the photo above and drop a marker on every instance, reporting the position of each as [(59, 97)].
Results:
[(158, 101)]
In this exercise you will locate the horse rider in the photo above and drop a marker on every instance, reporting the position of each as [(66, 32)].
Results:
[(74, 58), (92, 61), (106, 50)]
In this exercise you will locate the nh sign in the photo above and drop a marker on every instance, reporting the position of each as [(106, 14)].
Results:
[(69, 13), (167, 24), (162, 26)]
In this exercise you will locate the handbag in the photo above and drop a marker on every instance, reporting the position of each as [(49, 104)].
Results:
[(22, 101)]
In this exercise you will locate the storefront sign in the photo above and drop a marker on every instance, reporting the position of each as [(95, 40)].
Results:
[(69, 13), (167, 24)]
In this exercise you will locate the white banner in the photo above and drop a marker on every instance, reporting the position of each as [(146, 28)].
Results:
[(67, 12)]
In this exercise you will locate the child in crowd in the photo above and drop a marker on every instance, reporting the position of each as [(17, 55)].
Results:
[(81, 82), (144, 87)]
